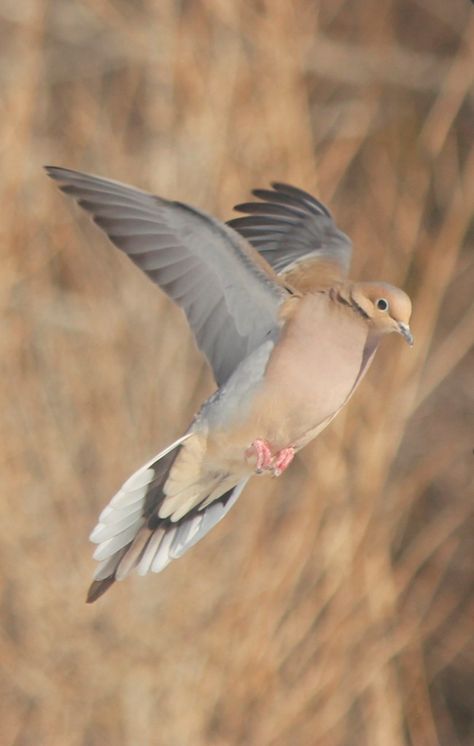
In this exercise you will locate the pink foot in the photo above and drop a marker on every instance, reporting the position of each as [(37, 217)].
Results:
[(266, 460), (262, 452), (282, 460)]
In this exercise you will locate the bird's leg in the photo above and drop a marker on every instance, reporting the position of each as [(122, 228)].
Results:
[(260, 450), (282, 460)]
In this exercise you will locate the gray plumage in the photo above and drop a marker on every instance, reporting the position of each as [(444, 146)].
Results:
[(290, 225), (230, 303)]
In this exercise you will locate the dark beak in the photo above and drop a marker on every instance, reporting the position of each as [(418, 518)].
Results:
[(406, 333)]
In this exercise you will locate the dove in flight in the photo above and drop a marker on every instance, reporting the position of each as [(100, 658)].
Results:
[(287, 335)]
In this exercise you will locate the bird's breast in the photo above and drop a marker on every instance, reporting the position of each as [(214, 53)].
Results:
[(311, 373)]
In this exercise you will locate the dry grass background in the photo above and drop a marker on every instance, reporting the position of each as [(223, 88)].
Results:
[(332, 607)]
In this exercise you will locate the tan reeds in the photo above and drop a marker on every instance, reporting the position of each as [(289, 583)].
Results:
[(331, 608)]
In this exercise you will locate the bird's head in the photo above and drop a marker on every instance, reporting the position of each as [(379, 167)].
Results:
[(387, 308)]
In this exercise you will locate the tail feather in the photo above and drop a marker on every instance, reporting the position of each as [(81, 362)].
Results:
[(98, 587), (131, 534)]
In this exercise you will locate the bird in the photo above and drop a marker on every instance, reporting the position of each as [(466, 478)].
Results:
[(287, 335)]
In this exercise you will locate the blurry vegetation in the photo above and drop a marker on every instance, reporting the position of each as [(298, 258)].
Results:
[(332, 607)]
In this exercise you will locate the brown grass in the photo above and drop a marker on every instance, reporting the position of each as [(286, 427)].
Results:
[(331, 608)]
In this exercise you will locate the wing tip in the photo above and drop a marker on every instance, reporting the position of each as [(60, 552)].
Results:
[(56, 172), (284, 188), (285, 195)]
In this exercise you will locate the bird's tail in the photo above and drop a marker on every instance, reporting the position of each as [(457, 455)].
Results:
[(131, 535)]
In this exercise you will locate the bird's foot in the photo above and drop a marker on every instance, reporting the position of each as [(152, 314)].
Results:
[(266, 460), (262, 452), (282, 460)]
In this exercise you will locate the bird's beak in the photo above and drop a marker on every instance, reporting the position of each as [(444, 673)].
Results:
[(406, 333)]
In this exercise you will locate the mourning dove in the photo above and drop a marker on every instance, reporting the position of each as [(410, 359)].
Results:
[(287, 336)]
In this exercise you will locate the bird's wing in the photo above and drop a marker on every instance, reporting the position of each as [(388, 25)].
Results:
[(297, 236), (230, 295)]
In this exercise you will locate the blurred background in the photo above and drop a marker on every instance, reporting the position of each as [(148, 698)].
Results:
[(332, 607)]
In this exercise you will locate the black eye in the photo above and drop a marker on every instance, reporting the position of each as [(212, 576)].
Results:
[(382, 304)]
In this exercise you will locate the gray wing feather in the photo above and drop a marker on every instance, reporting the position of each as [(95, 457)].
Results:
[(290, 225), (206, 267)]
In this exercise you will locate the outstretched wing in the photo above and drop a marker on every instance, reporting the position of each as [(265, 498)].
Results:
[(228, 292), (297, 236)]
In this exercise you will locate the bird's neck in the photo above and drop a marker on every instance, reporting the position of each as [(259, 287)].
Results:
[(342, 294)]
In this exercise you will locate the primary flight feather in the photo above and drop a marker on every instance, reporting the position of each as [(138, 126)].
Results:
[(287, 336)]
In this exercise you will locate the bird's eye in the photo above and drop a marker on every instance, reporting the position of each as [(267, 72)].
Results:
[(382, 304)]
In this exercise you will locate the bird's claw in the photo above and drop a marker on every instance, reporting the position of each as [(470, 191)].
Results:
[(262, 452), (282, 460), (268, 461)]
